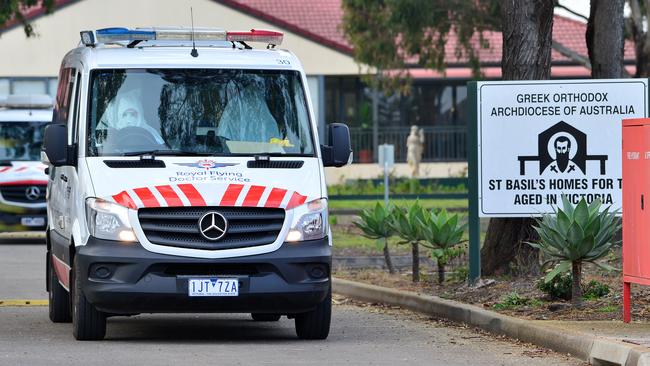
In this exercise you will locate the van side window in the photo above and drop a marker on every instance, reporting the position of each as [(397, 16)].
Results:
[(63, 96)]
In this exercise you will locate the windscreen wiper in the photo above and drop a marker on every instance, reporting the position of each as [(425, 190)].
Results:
[(5, 163), (154, 153)]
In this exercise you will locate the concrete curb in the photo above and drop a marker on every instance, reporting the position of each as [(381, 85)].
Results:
[(596, 350)]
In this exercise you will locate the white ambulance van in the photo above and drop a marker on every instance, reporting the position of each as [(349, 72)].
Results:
[(23, 181), (186, 175)]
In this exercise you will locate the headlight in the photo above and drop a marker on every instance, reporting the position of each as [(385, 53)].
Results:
[(107, 220), (309, 221)]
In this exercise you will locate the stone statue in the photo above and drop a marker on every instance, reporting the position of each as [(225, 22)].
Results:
[(414, 149)]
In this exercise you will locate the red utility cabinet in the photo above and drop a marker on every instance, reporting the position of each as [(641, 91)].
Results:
[(636, 213)]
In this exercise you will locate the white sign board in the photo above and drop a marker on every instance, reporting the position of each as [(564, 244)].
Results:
[(538, 140), (386, 155)]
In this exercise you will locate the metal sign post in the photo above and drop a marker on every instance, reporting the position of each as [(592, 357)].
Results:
[(387, 160)]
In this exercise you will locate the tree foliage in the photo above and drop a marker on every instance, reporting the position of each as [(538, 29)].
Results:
[(636, 26), (390, 34), (13, 10)]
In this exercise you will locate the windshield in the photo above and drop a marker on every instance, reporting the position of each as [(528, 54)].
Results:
[(198, 111), (21, 140)]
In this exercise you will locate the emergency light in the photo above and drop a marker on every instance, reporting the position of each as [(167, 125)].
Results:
[(117, 35)]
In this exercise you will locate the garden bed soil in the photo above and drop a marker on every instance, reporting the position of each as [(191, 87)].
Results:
[(492, 296)]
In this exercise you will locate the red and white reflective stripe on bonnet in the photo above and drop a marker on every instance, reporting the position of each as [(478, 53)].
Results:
[(25, 182), (182, 194)]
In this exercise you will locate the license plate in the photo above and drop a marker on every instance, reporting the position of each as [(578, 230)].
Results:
[(32, 221), (213, 287)]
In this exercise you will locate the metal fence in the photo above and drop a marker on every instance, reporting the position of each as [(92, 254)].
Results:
[(442, 143)]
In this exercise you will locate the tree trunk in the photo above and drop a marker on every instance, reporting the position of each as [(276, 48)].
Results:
[(605, 38), (640, 36), (441, 272), (576, 288), (527, 41), (505, 250), (415, 261), (389, 261)]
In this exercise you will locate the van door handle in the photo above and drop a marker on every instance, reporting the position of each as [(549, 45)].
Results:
[(642, 202), (64, 178)]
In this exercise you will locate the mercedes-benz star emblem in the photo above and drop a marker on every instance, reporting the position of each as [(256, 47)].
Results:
[(32, 193), (213, 226)]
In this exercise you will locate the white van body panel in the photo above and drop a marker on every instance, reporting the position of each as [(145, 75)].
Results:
[(207, 181), (308, 182)]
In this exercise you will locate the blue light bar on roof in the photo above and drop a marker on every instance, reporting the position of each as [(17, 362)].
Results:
[(117, 35), (113, 35), (108, 35)]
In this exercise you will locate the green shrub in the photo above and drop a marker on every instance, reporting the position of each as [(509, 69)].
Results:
[(558, 288), (375, 224), (460, 274), (595, 290), (574, 235), (442, 233), (513, 300), (407, 224)]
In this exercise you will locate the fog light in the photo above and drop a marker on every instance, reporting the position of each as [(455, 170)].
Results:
[(103, 272), (318, 272)]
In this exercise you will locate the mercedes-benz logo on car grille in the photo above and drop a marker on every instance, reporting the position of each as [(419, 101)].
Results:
[(213, 226), (32, 193)]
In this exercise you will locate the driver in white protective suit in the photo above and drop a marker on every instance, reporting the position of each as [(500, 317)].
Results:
[(125, 110)]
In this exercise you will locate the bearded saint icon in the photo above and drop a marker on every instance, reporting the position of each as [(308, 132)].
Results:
[(563, 157)]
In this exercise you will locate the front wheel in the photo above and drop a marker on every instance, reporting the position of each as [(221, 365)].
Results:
[(315, 324), (88, 323), (59, 298)]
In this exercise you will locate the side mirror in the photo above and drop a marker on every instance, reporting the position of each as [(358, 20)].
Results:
[(55, 145), (337, 152)]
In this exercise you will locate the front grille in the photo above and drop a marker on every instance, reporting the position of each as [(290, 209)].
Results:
[(178, 226), (32, 193)]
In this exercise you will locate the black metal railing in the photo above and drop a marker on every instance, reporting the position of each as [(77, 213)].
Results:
[(441, 143)]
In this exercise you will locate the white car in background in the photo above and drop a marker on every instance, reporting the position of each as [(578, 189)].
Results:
[(23, 181)]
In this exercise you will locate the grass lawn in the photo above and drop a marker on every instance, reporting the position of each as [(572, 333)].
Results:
[(426, 203), (344, 240)]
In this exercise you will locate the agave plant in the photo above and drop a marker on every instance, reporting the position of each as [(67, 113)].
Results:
[(407, 223), (442, 234), (375, 224), (574, 235)]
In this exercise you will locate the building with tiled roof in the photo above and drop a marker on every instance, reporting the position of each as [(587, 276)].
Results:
[(312, 31)]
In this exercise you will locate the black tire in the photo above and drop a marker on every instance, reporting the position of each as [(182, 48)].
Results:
[(258, 317), (88, 323), (316, 323), (59, 298)]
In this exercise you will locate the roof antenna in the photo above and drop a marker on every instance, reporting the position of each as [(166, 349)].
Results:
[(194, 52)]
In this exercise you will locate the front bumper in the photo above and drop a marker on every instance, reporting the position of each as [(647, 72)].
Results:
[(293, 279)]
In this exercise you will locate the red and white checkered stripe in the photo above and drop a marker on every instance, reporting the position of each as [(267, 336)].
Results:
[(21, 169), (235, 195)]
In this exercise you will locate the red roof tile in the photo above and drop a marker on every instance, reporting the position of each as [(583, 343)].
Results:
[(320, 20)]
